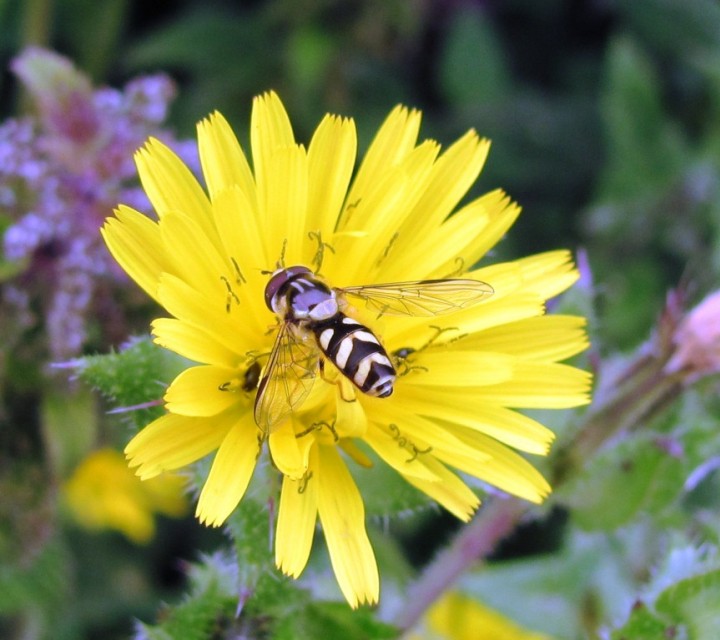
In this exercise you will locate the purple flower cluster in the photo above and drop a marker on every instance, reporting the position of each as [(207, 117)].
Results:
[(61, 173)]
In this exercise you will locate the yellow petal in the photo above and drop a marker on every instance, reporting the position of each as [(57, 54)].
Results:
[(545, 338), (502, 212), (343, 519), (472, 410), (283, 197), (394, 140), (170, 185), (198, 391), (134, 241), (286, 451), (540, 385), (498, 310), (194, 258), (415, 428), (454, 367), (453, 174), (449, 491), (242, 238), (296, 521), (270, 130), (171, 442), (198, 309), (331, 161), (547, 274), (351, 420), (223, 161), (502, 467), (230, 473), (379, 212), (192, 342), (459, 617), (400, 452), (439, 253)]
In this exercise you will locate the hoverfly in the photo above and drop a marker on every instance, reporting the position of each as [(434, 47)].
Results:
[(313, 327)]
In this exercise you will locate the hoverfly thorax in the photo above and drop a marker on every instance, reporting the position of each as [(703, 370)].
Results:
[(297, 295)]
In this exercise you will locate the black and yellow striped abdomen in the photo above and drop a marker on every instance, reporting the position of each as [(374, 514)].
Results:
[(355, 351)]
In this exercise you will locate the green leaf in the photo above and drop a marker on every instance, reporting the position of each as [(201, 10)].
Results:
[(636, 476), (138, 375), (554, 594), (310, 53), (202, 42), (42, 579), (472, 65), (694, 603), (645, 150), (642, 625), (675, 27)]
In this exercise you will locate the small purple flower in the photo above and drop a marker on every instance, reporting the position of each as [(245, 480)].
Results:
[(61, 174)]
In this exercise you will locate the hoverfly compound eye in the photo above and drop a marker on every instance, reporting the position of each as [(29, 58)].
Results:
[(279, 279)]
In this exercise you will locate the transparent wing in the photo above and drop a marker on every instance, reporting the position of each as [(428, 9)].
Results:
[(421, 297), (287, 379)]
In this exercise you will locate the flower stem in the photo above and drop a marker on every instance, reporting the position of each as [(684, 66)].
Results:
[(477, 540)]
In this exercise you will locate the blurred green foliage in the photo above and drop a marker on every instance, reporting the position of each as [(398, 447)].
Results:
[(605, 122)]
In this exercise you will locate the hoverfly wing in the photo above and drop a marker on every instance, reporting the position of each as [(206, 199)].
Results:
[(421, 297), (287, 379)]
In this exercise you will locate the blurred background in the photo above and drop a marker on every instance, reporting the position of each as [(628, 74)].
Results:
[(605, 121)]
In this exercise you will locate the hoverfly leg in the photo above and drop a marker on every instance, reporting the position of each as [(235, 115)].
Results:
[(339, 382)]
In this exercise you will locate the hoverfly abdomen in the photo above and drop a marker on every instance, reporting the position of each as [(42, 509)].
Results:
[(357, 353)]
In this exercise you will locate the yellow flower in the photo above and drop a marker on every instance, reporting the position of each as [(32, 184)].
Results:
[(458, 617), (460, 376), (103, 493)]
